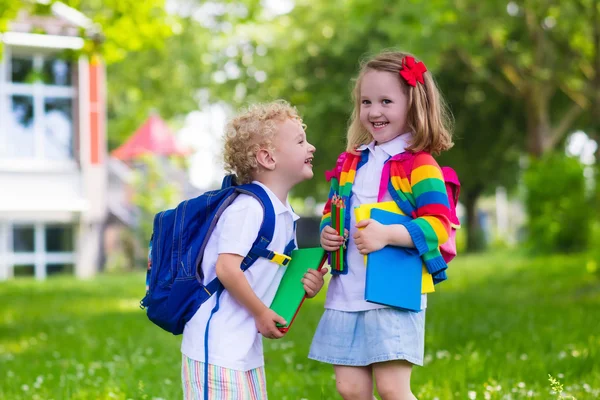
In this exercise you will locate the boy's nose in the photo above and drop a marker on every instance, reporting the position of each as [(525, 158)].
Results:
[(311, 148)]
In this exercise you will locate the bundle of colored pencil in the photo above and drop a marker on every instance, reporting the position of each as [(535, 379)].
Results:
[(338, 213)]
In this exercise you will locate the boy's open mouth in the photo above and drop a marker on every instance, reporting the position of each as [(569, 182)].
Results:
[(308, 161)]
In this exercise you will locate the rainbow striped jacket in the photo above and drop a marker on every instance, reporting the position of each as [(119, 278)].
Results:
[(422, 196)]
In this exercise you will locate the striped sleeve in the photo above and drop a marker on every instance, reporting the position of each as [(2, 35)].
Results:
[(334, 177), (431, 227), (326, 218)]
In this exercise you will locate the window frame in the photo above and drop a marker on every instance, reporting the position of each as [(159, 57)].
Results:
[(40, 92), (39, 257)]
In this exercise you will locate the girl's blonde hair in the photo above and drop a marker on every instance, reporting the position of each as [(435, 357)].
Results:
[(251, 130), (428, 117)]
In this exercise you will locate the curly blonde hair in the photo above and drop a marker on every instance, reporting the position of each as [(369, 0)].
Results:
[(428, 117), (251, 130)]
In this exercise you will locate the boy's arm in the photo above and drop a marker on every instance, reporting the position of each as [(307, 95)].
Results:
[(431, 227), (238, 228), (232, 277)]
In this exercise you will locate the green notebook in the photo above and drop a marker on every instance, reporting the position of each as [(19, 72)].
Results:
[(290, 294)]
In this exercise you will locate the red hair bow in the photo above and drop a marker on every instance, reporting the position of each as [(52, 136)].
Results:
[(412, 71)]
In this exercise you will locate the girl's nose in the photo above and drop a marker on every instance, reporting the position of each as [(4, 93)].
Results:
[(374, 112)]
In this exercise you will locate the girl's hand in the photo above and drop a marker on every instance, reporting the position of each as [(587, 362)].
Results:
[(313, 281), (374, 236), (266, 324), (331, 239)]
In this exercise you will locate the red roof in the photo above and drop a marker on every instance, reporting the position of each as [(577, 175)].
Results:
[(153, 137)]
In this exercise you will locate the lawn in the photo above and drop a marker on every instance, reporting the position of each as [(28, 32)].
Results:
[(495, 330)]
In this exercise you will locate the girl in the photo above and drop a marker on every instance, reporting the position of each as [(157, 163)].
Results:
[(398, 114)]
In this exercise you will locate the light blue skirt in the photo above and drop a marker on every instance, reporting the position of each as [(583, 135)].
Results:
[(365, 337)]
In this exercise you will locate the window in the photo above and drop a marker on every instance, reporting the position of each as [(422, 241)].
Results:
[(23, 270), (40, 250), (23, 239), (59, 239), (38, 99)]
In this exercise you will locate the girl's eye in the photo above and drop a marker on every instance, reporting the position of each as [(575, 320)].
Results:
[(366, 102), (386, 101)]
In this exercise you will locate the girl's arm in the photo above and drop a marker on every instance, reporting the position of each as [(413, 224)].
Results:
[(397, 235), (431, 227), (233, 279), (373, 235)]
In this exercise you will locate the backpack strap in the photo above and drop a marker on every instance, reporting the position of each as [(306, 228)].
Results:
[(228, 181), (453, 190), (265, 234), (259, 249)]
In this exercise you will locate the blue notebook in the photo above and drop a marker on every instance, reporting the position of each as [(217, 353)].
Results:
[(394, 274)]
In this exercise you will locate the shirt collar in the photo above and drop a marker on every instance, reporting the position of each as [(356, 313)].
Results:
[(395, 146), (278, 206)]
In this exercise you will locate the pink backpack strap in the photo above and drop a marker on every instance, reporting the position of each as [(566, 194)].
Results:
[(337, 171), (453, 189)]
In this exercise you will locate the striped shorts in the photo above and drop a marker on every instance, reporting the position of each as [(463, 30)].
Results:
[(223, 383)]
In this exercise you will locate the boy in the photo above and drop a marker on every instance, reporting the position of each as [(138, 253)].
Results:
[(265, 145)]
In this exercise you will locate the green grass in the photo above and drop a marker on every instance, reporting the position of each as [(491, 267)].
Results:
[(495, 330)]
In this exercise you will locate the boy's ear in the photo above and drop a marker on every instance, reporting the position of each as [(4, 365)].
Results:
[(265, 159)]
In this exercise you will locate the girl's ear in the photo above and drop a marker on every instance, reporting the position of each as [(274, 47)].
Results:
[(265, 159)]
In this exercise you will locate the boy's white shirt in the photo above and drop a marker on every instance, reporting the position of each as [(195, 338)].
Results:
[(347, 292), (234, 341)]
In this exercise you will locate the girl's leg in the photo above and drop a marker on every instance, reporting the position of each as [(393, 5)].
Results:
[(354, 383), (392, 379)]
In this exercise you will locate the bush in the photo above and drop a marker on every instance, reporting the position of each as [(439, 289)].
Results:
[(558, 206)]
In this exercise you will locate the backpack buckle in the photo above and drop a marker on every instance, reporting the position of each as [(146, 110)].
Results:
[(281, 259)]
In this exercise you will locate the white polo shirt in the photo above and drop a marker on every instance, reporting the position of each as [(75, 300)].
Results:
[(234, 341), (347, 292)]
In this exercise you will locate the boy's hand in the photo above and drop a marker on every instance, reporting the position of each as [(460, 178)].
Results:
[(374, 236), (265, 323), (313, 281), (330, 239)]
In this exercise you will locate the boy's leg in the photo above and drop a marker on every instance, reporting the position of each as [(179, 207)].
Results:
[(354, 383), (190, 369), (392, 379), (222, 382)]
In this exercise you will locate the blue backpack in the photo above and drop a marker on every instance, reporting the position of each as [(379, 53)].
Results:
[(174, 289)]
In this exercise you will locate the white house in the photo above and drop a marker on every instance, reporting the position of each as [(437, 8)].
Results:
[(53, 175)]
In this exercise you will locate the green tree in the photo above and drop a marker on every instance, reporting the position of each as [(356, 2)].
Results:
[(531, 60), (488, 139), (153, 192), (558, 205), (544, 54)]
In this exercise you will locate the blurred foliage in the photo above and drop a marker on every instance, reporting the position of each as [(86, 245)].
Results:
[(593, 262), (518, 76), (127, 25), (153, 192), (559, 211)]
